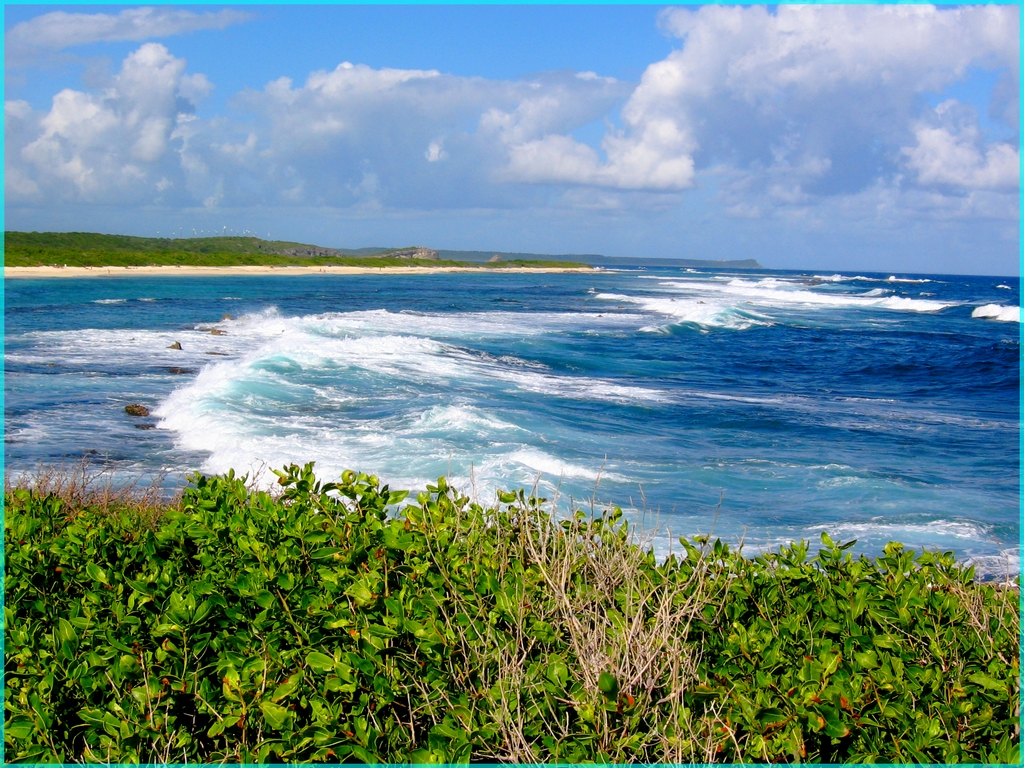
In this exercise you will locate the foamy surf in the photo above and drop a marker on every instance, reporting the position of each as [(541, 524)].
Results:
[(755, 297), (997, 312), (348, 388), (695, 311), (841, 401)]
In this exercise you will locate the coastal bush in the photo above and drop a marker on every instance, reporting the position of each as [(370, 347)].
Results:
[(326, 624)]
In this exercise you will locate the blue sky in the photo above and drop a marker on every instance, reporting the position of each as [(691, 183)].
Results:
[(826, 137)]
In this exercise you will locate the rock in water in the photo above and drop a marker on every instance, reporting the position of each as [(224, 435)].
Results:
[(175, 345), (136, 410), (218, 332)]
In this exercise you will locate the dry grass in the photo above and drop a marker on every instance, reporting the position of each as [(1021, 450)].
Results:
[(87, 485), (614, 617)]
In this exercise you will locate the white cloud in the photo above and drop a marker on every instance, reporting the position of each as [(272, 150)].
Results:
[(950, 151), (807, 100), (60, 30), (95, 147), (772, 112), (435, 152), (355, 119), (17, 109)]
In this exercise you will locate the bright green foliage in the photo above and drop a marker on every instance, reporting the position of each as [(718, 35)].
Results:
[(328, 625), (85, 249)]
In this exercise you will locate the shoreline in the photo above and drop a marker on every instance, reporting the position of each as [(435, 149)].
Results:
[(197, 271)]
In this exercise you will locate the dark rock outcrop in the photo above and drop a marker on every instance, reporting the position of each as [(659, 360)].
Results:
[(136, 410), (175, 345)]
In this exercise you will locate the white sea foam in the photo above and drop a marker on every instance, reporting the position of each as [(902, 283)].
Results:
[(776, 293), (1004, 287), (554, 468), (894, 279), (463, 419), (997, 312), (109, 301), (700, 312), (328, 371), (837, 278), (878, 529)]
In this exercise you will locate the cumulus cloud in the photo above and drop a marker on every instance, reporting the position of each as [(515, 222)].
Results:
[(60, 30), (777, 112), (804, 100), (355, 120), (950, 151), (103, 146), (435, 152)]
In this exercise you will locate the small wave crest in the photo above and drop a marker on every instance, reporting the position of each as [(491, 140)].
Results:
[(553, 468), (997, 312), (774, 293), (704, 313)]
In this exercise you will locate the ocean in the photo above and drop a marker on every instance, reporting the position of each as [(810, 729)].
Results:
[(755, 406)]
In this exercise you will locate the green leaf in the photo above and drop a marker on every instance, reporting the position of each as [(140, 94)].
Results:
[(834, 725), (987, 681), (771, 715), (608, 684), (19, 727), (866, 660), (360, 593), (66, 631), (275, 715), (325, 552), (558, 671), (96, 573), (288, 686), (320, 662)]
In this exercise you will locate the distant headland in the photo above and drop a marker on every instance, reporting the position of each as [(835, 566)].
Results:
[(34, 254)]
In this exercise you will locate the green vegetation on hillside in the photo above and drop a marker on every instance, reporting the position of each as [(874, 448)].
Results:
[(326, 625), (90, 241), (78, 249)]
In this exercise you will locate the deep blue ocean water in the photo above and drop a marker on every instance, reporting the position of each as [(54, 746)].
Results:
[(758, 406)]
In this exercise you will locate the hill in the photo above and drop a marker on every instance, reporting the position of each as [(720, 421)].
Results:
[(26, 242), (24, 249), (89, 249), (597, 260)]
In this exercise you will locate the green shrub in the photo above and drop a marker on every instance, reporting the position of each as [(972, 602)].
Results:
[(325, 624)]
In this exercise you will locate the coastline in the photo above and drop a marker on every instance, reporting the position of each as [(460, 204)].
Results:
[(195, 271)]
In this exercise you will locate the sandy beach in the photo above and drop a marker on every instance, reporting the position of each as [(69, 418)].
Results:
[(176, 271)]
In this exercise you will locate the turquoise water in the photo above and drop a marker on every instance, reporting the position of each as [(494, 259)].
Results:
[(760, 406)]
